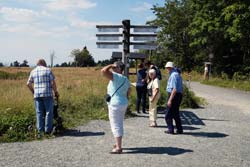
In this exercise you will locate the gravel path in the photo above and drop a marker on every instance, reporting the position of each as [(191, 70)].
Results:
[(217, 135)]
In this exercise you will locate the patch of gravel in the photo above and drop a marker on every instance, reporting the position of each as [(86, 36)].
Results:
[(216, 135)]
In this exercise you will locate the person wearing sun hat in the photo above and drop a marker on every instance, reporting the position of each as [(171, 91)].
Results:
[(174, 91)]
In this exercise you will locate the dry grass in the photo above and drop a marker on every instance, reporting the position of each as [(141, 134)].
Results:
[(81, 99), (70, 81)]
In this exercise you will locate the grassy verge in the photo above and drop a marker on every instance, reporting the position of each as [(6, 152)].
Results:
[(238, 81), (240, 85)]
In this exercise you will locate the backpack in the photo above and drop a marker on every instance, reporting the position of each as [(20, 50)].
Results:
[(158, 72)]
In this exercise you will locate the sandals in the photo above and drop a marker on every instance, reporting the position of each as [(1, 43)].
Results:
[(116, 151), (153, 124)]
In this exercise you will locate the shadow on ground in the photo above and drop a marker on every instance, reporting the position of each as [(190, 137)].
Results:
[(187, 117), (207, 134), (156, 150), (184, 127), (77, 133)]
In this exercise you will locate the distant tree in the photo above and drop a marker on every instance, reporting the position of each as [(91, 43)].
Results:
[(11, 64), (65, 64), (82, 58), (16, 64), (1, 64), (105, 62), (24, 64)]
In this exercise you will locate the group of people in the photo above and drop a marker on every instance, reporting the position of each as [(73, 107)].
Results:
[(148, 84), (42, 84)]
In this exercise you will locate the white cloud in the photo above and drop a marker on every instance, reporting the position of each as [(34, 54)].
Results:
[(19, 15), (82, 24), (77, 22), (142, 7), (36, 31), (70, 4), (25, 29)]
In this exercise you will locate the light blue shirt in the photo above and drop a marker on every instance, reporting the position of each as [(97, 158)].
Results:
[(174, 81), (120, 97)]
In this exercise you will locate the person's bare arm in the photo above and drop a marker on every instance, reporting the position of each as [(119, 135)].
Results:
[(173, 93), (54, 87), (29, 85), (106, 71)]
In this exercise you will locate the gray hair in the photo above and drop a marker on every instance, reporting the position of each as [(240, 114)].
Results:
[(41, 62), (120, 65), (152, 71)]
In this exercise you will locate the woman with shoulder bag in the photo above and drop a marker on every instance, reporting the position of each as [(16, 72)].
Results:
[(154, 95), (118, 89)]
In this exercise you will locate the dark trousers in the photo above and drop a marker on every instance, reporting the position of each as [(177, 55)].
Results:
[(174, 113), (141, 98)]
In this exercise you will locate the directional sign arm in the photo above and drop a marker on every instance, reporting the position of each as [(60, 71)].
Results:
[(108, 37), (108, 45)]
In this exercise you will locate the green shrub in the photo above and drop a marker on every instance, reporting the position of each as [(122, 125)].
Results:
[(76, 111), (224, 76), (17, 126), (189, 100), (239, 77)]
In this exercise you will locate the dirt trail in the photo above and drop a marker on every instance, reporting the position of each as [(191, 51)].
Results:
[(228, 97)]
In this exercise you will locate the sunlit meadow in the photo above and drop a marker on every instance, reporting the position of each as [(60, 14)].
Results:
[(81, 99)]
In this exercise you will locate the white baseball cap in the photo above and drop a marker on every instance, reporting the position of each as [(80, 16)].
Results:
[(169, 64)]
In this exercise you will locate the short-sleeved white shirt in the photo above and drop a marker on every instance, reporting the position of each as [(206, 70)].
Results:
[(154, 84)]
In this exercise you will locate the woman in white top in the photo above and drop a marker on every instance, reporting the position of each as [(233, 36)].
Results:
[(154, 85)]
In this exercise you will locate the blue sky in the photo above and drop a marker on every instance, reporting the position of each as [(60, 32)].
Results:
[(32, 29)]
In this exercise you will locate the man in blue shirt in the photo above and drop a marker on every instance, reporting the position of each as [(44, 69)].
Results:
[(174, 90)]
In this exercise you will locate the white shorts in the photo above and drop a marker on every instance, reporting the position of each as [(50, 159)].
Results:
[(116, 117)]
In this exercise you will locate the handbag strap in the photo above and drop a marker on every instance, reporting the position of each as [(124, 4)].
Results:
[(119, 87)]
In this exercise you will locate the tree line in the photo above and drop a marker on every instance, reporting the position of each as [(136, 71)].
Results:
[(81, 58), (192, 32)]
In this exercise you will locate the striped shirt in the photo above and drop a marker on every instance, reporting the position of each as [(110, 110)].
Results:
[(42, 78)]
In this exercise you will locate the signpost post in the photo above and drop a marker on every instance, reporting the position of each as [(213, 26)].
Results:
[(140, 33)]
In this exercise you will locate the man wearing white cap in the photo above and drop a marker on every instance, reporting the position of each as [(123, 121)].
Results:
[(174, 90)]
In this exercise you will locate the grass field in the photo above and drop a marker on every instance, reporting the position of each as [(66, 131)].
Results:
[(81, 99), (240, 82)]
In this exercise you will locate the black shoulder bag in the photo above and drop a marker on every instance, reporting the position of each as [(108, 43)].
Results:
[(108, 97)]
